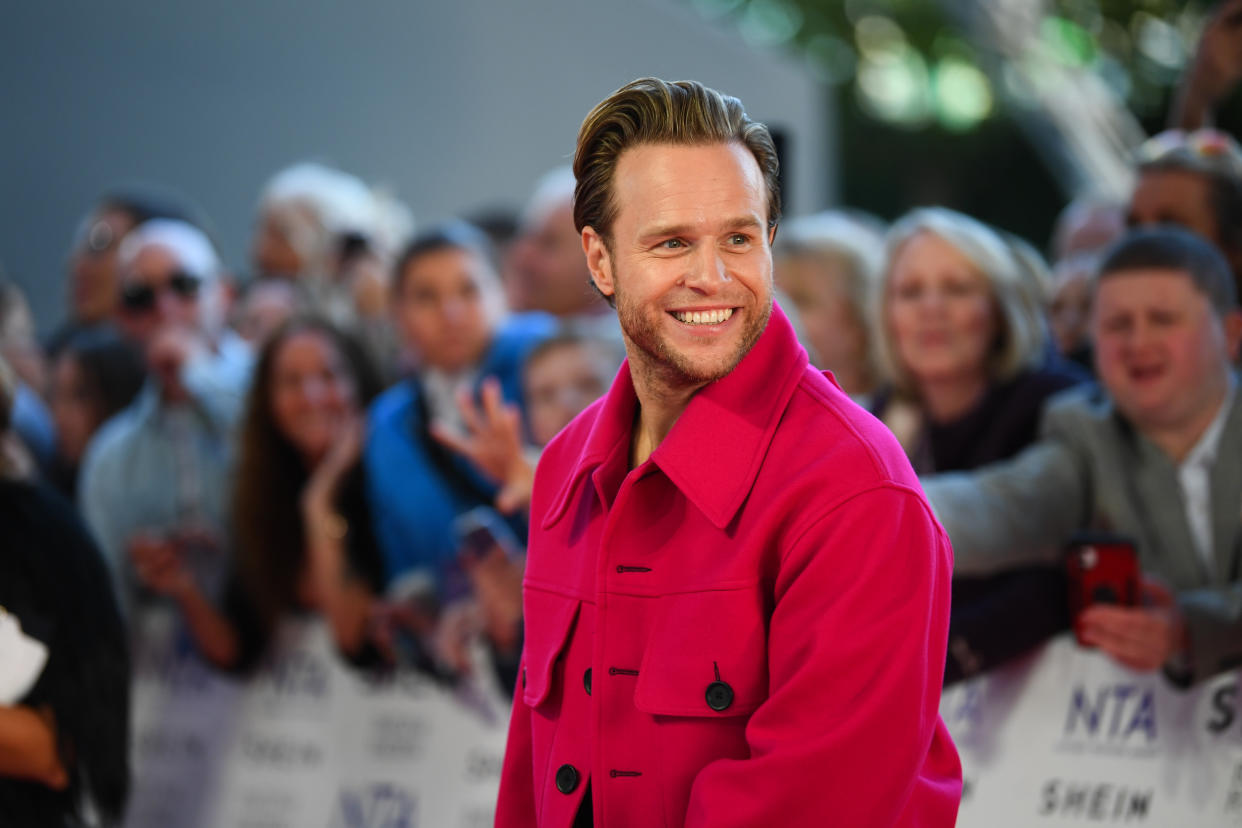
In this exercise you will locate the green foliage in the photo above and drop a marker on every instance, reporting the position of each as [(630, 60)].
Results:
[(905, 58)]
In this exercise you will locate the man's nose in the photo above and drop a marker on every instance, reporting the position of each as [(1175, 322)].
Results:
[(708, 270), (166, 303), (453, 309)]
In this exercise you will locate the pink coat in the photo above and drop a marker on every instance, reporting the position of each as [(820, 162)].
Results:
[(748, 629)]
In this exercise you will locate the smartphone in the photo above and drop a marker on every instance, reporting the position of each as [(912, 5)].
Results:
[(480, 531), (1102, 569)]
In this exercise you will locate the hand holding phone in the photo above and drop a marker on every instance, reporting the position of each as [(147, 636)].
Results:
[(1102, 569)]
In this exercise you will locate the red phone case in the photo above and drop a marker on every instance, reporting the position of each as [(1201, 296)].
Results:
[(1103, 571)]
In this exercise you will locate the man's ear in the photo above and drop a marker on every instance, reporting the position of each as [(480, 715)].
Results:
[(598, 261), (1232, 322), (772, 235)]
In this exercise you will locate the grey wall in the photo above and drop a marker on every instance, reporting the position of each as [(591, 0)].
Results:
[(453, 105)]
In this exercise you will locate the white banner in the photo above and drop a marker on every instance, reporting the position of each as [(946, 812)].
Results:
[(1068, 737), (1065, 737), (307, 741)]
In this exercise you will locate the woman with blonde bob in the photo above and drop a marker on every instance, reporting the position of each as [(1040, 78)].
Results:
[(962, 336)]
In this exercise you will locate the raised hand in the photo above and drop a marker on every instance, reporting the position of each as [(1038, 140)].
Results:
[(493, 443)]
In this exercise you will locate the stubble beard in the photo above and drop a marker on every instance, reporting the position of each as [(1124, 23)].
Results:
[(651, 354)]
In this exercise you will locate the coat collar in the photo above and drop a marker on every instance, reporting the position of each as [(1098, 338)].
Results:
[(715, 450)]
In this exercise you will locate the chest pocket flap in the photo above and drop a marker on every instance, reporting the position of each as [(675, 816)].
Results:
[(549, 620), (706, 655)]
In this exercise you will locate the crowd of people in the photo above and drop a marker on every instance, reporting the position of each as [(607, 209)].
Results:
[(353, 430)]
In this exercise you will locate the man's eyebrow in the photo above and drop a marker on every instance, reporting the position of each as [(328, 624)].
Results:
[(670, 230)]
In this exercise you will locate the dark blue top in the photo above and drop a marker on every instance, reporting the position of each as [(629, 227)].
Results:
[(415, 486)]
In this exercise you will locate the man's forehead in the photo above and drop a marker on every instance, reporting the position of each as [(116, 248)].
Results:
[(1170, 181), (1139, 285), (655, 179), (153, 260)]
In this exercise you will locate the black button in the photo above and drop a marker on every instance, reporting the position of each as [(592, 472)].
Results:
[(566, 779), (719, 696), (586, 680)]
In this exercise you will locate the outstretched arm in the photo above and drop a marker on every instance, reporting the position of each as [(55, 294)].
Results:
[(1012, 513)]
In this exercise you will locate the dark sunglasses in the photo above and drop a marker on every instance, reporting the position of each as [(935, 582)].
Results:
[(142, 298)]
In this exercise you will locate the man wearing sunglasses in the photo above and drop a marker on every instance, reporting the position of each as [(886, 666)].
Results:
[(92, 290), (153, 484)]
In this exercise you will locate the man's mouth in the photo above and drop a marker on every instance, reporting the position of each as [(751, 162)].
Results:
[(707, 317), (1145, 373)]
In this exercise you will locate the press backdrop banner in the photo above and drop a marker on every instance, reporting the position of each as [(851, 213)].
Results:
[(308, 741), (1068, 737)]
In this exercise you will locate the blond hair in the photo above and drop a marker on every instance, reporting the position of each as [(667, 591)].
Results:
[(653, 111), (1021, 333)]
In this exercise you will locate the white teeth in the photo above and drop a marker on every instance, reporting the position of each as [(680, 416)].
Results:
[(711, 317)]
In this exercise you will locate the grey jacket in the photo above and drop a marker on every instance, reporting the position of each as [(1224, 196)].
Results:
[(1092, 470)]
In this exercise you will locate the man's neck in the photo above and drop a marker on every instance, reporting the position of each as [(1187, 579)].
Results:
[(660, 403)]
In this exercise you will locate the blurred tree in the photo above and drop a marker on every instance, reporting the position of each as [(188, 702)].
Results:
[(1001, 108)]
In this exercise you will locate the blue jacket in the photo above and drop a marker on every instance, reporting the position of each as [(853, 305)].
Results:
[(413, 500)]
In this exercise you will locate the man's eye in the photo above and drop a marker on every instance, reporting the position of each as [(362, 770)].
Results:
[(739, 238), (672, 244)]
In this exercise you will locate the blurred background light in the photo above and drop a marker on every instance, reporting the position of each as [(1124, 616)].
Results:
[(830, 59), (963, 95), (894, 86), (768, 23), (877, 36), (1068, 42)]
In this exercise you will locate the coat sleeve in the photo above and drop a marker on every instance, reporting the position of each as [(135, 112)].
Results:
[(1012, 513), (850, 733), (515, 806)]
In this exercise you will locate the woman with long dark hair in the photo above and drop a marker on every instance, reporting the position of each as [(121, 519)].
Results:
[(301, 530)]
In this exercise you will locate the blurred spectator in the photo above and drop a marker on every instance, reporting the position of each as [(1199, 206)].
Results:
[(449, 307), (1086, 224), (336, 237), (64, 668), (501, 226), (548, 270), (1069, 308), (1214, 71), (828, 265), (965, 345), (155, 476), (94, 280), (962, 342), (1193, 180), (32, 422), (95, 376), (1152, 459), (564, 375), (302, 536), (263, 306)]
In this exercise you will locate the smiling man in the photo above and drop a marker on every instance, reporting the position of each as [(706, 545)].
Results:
[(1151, 455), (736, 598)]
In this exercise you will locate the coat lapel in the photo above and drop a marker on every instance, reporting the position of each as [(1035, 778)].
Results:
[(1227, 497)]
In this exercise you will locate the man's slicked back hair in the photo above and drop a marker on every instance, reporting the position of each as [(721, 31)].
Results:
[(653, 111)]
